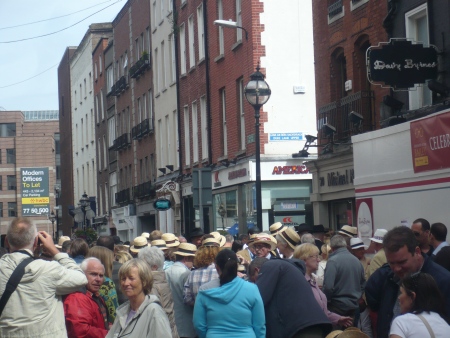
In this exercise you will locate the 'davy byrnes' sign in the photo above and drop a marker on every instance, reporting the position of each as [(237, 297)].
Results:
[(35, 191), (401, 64)]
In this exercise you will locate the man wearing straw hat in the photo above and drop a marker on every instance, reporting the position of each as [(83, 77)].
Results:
[(139, 243), (176, 276), (287, 240), (263, 245)]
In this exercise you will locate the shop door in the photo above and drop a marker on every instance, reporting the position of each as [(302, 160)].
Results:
[(342, 212)]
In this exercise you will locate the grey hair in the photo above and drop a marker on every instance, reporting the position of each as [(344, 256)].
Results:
[(281, 240), (337, 241), (84, 264), (308, 238), (153, 256), (21, 233), (229, 238)]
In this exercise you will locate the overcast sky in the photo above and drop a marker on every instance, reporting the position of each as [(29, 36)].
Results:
[(19, 61)]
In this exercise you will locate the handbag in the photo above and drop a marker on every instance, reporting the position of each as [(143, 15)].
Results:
[(13, 281), (430, 331)]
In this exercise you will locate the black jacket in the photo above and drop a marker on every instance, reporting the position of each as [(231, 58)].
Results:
[(289, 303), (382, 290)]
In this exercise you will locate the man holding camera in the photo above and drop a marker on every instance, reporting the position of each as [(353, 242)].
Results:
[(35, 307)]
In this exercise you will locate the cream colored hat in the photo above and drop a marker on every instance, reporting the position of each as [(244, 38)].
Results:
[(276, 227), (146, 235), (378, 236), (138, 244), (159, 243), (348, 231), (62, 239), (290, 236), (241, 268), (218, 236), (264, 239), (170, 239), (186, 249), (211, 242)]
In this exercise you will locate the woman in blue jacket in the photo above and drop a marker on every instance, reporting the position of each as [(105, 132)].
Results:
[(229, 306)]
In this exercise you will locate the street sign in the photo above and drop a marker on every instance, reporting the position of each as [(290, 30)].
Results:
[(162, 204)]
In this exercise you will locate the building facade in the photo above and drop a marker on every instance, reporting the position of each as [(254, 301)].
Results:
[(29, 152)]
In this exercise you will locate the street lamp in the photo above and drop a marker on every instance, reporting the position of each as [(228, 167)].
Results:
[(257, 93), (85, 206), (230, 24), (52, 219)]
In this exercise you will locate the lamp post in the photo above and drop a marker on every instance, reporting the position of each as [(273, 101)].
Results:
[(257, 93), (85, 206), (52, 219)]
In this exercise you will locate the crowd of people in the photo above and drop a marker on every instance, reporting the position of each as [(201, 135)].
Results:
[(288, 282)]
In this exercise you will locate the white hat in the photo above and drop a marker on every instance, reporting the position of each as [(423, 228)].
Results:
[(356, 243), (139, 243), (379, 235), (348, 231), (62, 239)]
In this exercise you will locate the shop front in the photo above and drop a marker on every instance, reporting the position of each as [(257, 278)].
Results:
[(126, 222), (333, 193)]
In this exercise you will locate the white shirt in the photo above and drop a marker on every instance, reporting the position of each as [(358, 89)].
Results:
[(411, 326)]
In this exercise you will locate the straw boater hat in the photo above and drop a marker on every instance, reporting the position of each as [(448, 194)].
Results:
[(350, 332), (357, 243), (62, 239), (211, 242), (276, 227), (170, 239), (146, 235), (186, 249), (290, 236), (222, 239), (379, 236), (264, 239), (138, 244), (348, 231), (159, 243), (241, 268)]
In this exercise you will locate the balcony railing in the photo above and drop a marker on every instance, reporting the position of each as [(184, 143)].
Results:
[(337, 114), (119, 87), (121, 142), (142, 129), (334, 9), (140, 66), (144, 190), (123, 196)]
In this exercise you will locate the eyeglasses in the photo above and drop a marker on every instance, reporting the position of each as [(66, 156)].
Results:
[(417, 234), (260, 246), (313, 256)]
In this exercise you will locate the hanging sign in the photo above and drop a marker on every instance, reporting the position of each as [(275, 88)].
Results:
[(401, 64), (162, 204)]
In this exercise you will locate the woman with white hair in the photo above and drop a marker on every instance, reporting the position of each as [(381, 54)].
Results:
[(154, 257)]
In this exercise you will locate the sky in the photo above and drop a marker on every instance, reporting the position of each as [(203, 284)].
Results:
[(28, 69)]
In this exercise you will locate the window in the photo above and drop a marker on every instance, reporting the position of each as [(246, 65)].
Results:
[(338, 75), (187, 137), (201, 32), (239, 20), (150, 108), (191, 41), (194, 132), (111, 131), (147, 39), (220, 17), (162, 9), (162, 150), (241, 112), (144, 107), (101, 104), (12, 209), (100, 65), (168, 141), (11, 182), (416, 22), (105, 161), (1, 182), (139, 107), (95, 71), (224, 121), (175, 136), (172, 59), (125, 64), (136, 48), (7, 129), (0, 156), (204, 126), (10, 155), (182, 49), (163, 66), (155, 15), (157, 71), (109, 78)]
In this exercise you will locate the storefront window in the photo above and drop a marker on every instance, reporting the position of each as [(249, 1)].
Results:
[(341, 213), (225, 210)]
